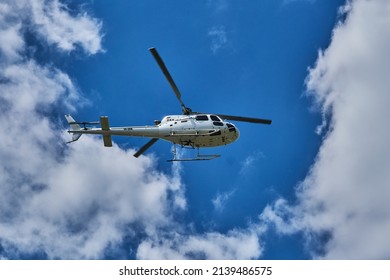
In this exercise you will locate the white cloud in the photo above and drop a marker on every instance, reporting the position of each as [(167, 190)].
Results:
[(343, 201), (52, 22), (11, 41), (249, 161), (76, 207), (58, 26), (222, 199), (218, 37), (236, 244)]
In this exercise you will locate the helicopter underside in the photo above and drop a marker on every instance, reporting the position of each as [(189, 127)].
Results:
[(214, 139), (203, 138)]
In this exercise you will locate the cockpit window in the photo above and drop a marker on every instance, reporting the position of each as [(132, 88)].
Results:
[(231, 127), (215, 118), (201, 118)]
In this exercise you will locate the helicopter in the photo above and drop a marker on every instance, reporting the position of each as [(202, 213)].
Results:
[(190, 129)]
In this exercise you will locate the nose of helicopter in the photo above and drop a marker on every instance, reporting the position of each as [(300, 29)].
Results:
[(237, 133), (233, 131)]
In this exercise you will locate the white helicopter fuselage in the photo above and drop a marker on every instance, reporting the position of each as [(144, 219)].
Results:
[(196, 131)]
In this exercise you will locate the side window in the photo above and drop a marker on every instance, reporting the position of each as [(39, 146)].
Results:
[(201, 118), (215, 118), (218, 123), (231, 127)]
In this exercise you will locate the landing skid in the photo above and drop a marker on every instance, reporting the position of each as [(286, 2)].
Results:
[(198, 156)]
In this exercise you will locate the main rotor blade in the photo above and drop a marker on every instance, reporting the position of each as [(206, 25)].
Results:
[(168, 76), (245, 119), (145, 147)]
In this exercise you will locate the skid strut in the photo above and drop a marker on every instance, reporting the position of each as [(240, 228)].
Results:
[(198, 156)]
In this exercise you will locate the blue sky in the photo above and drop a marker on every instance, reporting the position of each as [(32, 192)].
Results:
[(279, 192)]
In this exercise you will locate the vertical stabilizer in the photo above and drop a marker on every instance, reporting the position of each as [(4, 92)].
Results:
[(74, 126)]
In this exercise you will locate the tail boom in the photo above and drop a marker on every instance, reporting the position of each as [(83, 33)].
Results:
[(106, 131)]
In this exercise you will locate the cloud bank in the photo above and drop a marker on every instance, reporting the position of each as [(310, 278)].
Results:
[(81, 200), (57, 201), (236, 244), (343, 204)]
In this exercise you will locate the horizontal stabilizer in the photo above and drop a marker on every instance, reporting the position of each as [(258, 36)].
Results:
[(106, 127), (107, 140)]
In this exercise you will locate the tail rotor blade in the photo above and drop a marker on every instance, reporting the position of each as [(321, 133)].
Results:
[(145, 147)]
